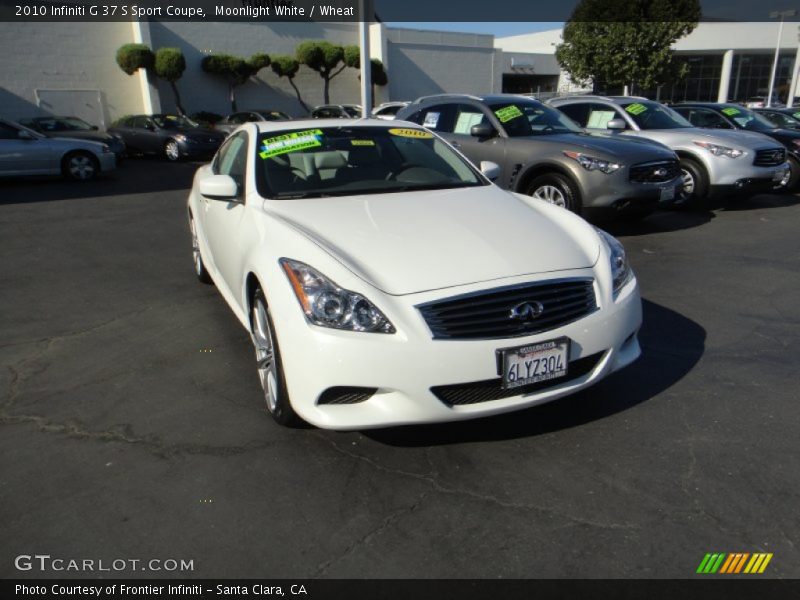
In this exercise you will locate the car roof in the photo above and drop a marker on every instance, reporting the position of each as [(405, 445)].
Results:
[(595, 97), (710, 104), (268, 126)]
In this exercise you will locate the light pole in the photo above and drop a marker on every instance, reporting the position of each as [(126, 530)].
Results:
[(777, 14)]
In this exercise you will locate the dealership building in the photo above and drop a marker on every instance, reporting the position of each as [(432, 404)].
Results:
[(70, 68)]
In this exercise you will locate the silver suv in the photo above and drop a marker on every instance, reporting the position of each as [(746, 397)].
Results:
[(545, 155), (712, 162)]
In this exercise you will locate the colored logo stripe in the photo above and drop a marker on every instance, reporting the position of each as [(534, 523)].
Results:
[(734, 562)]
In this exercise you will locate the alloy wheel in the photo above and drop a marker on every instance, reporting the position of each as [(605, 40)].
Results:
[(551, 194), (196, 258), (687, 189), (172, 151), (81, 167), (265, 354)]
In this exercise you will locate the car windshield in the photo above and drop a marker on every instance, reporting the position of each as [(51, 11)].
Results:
[(352, 110), (62, 124), (174, 122), (345, 161), (521, 118), (651, 115), (747, 119), (274, 115)]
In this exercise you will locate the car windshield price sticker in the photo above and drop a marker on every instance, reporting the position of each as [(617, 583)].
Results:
[(411, 133), (508, 113), (431, 119), (730, 111), (362, 143), (535, 363), (636, 108), (291, 142)]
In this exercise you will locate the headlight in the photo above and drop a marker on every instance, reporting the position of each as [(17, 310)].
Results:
[(180, 138), (590, 163), (327, 305), (621, 272), (717, 150)]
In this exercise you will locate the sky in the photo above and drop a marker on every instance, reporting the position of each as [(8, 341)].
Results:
[(497, 29)]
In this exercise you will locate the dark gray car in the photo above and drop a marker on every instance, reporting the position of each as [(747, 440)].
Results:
[(542, 153), (171, 136)]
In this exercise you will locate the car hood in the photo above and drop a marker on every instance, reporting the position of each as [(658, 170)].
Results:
[(92, 136), (604, 146), (199, 133), (408, 242), (748, 139)]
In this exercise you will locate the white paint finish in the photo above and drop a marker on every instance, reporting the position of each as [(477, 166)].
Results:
[(150, 99), (418, 243)]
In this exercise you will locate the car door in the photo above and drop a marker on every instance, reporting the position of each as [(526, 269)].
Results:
[(151, 138), (24, 156), (223, 220), (127, 130)]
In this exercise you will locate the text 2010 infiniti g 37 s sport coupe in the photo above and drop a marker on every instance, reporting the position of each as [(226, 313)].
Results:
[(385, 281)]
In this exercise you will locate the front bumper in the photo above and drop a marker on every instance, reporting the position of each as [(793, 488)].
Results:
[(108, 161), (616, 193), (745, 177), (403, 367)]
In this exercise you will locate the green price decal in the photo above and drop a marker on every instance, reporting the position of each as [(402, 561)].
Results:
[(730, 111), (291, 142), (508, 113), (636, 108)]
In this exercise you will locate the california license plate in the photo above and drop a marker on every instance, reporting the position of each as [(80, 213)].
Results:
[(534, 363), (667, 193)]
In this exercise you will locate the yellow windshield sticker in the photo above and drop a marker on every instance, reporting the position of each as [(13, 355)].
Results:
[(635, 108), (508, 113), (730, 111), (362, 142), (411, 133), (290, 142)]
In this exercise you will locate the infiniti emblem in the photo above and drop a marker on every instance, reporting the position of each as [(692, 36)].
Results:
[(660, 172), (527, 311)]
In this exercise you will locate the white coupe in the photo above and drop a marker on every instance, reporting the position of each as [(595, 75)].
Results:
[(386, 281)]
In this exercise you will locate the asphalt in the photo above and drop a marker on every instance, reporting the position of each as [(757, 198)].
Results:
[(132, 424)]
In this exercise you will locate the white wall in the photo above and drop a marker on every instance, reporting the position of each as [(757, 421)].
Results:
[(64, 56)]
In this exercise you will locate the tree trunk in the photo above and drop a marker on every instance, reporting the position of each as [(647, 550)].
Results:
[(297, 93), (325, 95), (178, 102)]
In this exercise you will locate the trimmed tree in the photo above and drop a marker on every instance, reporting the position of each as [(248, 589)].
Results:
[(323, 57), (626, 43), (287, 66), (235, 70), (377, 72), (169, 66), (131, 57)]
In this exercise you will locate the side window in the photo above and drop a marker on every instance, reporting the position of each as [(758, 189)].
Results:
[(577, 112), (599, 116), (466, 117), (701, 117), (141, 123), (236, 119), (440, 117), (7, 132), (232, 159)]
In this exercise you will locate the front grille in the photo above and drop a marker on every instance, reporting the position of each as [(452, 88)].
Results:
[(655, 172), (345, 395), (492, 389), (487, 314), (770, 157)]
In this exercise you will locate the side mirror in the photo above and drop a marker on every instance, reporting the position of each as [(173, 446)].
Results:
[(489, 169), (482, 130), (219, 187), (24, 134), (617, 124), (94, 128)]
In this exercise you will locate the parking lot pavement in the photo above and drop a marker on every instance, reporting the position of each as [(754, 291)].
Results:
[(133, 426)]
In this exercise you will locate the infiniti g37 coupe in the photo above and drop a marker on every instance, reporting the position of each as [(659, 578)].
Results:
[(384, 280)]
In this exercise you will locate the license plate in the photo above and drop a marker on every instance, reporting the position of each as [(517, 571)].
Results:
[(667, 193), (534, 363)]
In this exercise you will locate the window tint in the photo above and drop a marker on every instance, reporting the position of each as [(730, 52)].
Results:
[(440, 117), (576, 112), (140, 122), (232, 159)]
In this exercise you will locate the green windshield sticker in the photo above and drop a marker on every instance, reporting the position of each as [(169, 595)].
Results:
[(290, 142), (508, 113), (796, 115), (362, 142), (730, 111), (636, 108)]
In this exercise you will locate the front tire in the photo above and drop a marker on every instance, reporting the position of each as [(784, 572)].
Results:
[(269, 365), (555, 189), (80, 166), (694, 190), (172, 151), (794, 175), (199, 266)]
